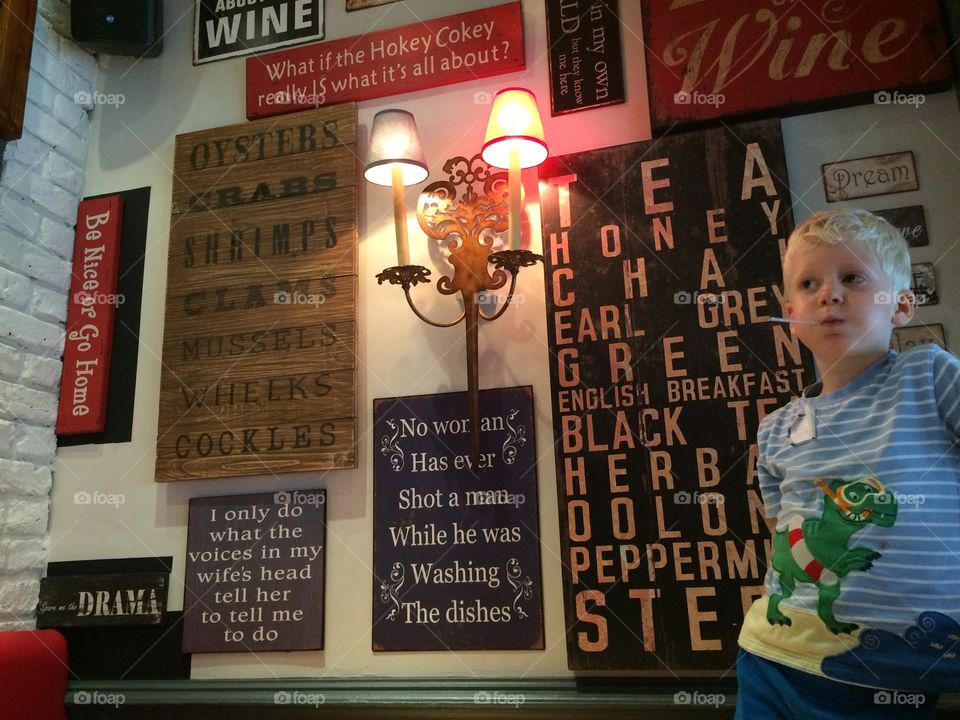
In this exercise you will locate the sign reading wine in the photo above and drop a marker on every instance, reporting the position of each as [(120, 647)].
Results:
[(710, 59), (259, 347), (426, 54), (91, 310), (663, 267), (456, 549)]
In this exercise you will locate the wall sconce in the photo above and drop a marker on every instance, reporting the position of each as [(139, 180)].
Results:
[(455, 211)]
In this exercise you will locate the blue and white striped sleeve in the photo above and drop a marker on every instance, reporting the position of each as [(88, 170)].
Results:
[(766, 474), (946, 385)]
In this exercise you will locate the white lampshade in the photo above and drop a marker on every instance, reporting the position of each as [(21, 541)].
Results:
[(514, 124), (395, 142)]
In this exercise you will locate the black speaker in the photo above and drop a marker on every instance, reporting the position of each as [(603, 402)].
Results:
[(118, 27)]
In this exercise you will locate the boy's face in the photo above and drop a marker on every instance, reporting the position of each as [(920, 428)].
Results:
[(846, 299)]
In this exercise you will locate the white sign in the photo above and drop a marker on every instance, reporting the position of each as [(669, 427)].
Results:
[(228, 28)]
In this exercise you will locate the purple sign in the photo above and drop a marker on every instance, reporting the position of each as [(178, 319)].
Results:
[(456, 549), (255, 572)]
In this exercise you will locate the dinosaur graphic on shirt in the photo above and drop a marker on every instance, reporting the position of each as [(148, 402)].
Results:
[(815, 550)]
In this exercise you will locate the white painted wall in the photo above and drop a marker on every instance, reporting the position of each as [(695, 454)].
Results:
[(40, 187), (398, 355)]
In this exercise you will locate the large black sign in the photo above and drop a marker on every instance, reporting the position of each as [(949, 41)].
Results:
[(586, 60), (227, 28), (663, 269), (456, 550)]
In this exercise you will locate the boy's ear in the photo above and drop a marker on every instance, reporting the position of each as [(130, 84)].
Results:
[(788, 313), (903, 309)]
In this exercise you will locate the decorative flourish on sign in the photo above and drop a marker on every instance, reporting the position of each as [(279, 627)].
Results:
[(515, 439), (390, 446), (390, 588), (523, 588)]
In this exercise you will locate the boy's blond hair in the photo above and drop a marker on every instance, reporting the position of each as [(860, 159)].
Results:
[(845, 225)]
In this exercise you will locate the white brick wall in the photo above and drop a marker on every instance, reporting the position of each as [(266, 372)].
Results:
[(40, 187)]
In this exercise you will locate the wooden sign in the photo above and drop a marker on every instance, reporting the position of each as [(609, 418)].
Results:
[(586, 62), (17, 18), (255, 572), (93, 600), (228, 28), (456, 550), (663, 267), (868, 176), (708, 60), (423, 55), (912, 336), (91, 310), (259, 348)]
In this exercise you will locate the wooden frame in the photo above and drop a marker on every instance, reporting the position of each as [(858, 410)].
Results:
[(910, 336), (17, 18)]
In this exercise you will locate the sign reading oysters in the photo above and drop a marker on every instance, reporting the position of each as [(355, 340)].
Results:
[(259, 351)]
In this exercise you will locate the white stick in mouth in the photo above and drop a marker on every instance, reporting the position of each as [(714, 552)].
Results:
[(789, 320)]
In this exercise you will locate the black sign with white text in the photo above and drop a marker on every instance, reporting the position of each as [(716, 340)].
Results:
[(586, 60), (228, 28)]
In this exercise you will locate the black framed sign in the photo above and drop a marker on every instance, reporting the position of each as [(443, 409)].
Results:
[(226, 28), (663, 275), (585, 54)]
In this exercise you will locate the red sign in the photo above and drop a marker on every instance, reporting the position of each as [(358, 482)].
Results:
[(423, 55), (90, 312), (710, 59)]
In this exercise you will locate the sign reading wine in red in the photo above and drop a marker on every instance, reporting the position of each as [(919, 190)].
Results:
[(90, 313), (423, 55), (709, 59)]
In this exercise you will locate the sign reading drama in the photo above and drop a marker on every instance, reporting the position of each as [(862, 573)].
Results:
[(93, 600), (227, 28), (708, 60), (255, 572), (423, 55), (91, 310), (663, 267), (456, 550), (586, 65), (259, 347)]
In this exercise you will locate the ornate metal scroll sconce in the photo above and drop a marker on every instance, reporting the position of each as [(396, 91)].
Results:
[(465, 211)]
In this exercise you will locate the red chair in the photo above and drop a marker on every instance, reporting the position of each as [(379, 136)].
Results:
[(33, 675)]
